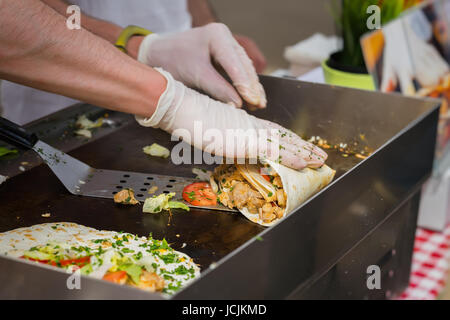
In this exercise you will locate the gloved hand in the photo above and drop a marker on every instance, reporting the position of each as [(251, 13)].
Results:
[(212, 126), (253, 52), (187, 56), (407, 56)]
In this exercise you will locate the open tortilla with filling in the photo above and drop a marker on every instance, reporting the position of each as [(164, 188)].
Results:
[(118, 257), (265, 193)]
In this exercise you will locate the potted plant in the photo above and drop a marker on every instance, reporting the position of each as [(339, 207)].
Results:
[(346, 67)]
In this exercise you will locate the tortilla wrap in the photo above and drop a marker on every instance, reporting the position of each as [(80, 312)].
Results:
[(16, 242), (298, 185)]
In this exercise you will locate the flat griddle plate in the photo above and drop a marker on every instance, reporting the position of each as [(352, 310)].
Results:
[(205, 235)]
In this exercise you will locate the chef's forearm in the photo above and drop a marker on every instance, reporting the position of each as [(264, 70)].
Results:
[(38, 50), (201, 12), (104, 29)]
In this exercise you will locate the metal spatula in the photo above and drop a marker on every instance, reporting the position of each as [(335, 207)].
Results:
[(81, 179)]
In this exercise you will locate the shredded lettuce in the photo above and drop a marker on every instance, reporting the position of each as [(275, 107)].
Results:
[(133, 270), (84, 123), (178, 205), (84, 132), (157, 204), (38, 255), (148, 262), (87, 269), (4, 151), (51, 251), (162, 202), (156, 150)]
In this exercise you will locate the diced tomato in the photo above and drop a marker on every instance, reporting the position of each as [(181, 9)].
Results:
[(265, 176), (116, 277), (63, 263), (200, 194), (434, 94), (37, 260), (79, 262), (391, 86)]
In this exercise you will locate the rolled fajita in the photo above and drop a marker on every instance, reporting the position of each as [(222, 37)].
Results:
[(267, 192)]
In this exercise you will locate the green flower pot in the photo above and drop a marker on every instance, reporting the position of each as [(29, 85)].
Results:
[(347, 79)]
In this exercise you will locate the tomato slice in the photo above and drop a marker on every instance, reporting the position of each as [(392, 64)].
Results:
[(200, 194), (37, 260), (64, 263), (266, 177), (79, 262), (116, 277)]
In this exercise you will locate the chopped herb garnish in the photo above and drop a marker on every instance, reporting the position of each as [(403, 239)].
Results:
[(168, 258), (119, 243)]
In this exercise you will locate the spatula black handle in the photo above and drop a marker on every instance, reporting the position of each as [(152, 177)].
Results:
[(16, 135)]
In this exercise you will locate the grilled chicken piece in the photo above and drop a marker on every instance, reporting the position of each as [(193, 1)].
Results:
[(279, 212), (281, 198), (227, 175), (225, 199), (277, 182), (254, 204), (150, 281), (267, 213), (125, 196), (242, 194), (238, 193), (213, 184)]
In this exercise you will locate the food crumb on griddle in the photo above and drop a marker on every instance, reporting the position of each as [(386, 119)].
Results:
[(156, 150), (125, 196), (3, 179), (152, 190), (84, 133), (345, 149), (46, 215)]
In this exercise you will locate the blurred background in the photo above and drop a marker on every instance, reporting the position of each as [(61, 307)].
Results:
[(274, 26)]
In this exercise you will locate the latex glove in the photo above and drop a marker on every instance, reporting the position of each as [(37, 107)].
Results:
[(253, 52), (187, 56), (210, 125), (408, 57)]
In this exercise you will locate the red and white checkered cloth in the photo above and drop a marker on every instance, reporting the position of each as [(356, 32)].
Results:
[(430, 265)]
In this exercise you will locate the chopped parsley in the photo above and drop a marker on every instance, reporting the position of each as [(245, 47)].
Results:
[(191, 195), (126, 250), (137, 256), (168, 258)]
